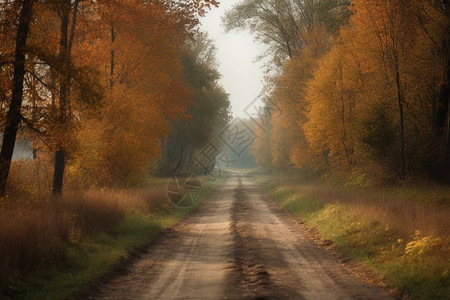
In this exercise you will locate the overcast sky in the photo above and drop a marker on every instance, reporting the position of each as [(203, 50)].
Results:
[(236, 54)]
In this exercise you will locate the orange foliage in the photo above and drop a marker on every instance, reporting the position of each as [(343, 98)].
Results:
[(143, 92), (126, 83)]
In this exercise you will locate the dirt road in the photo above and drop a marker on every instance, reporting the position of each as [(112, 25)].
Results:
[(238, 245)]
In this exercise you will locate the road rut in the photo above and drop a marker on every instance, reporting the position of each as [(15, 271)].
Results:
[(238, 245)]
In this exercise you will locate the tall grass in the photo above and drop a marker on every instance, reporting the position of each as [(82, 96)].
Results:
[(37, 230), (426, 210), (401, 233), (40, 232)]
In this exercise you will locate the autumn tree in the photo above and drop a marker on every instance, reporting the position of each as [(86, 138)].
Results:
[(13, 117), (389, 58), (289, 94), (91, 47), (140, 54), (48, 75), (365, 99), (433, 19), (297, 34), (65, 48), (390, 26), (144, 91)]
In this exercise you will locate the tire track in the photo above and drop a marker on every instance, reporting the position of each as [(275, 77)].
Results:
[(238, 245), (291, 265), (251, 277)]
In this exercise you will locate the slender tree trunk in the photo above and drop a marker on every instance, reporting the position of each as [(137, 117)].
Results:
[(113, 38), (447, 152), (344, 125), (65, 44), (402, 127), (445, 90), (33, 140), (69, 50), (58, 174), (53, 85), (13, 116), (440, 110)]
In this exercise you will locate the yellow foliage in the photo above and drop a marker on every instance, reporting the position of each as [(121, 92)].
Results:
[(332, 97), (422, 246), (288, 142)]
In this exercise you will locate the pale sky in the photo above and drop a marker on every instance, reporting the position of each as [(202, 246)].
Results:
[(242, 77)]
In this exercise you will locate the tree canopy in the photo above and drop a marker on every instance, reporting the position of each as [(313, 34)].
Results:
[(98, 85), (362, 86)]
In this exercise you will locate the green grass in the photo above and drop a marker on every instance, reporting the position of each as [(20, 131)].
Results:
[(86, 261), (409, 261)]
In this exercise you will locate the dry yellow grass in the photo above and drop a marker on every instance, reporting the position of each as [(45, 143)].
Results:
[(424, 210), (401, 233), (35, 227), (35, 230)]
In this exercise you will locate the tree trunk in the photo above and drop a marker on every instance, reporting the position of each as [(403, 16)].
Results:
[(344, 125), (447, 94), (65, 44), (440, 112), (113, 38), (445, 91), (402, 142), (13, 116), (58, 174), (402, 127)]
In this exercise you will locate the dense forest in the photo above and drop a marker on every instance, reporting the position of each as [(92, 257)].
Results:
[(106, 92), (361, 88)]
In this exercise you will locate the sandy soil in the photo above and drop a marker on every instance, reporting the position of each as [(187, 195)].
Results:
[(238, 245)]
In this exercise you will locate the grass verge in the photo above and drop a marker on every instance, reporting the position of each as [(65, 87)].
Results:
[(76, 266), (411, 256)]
